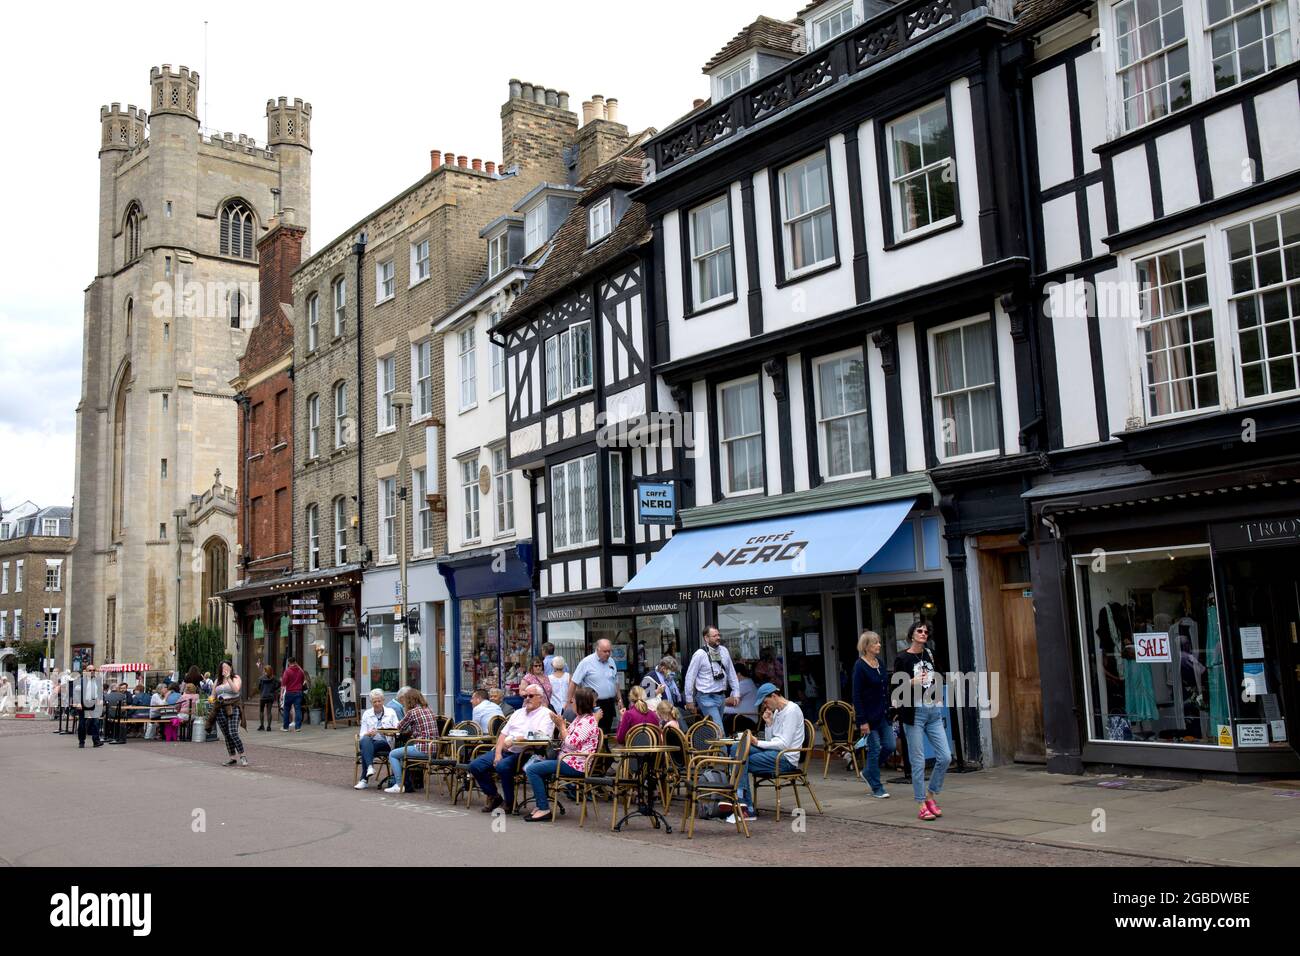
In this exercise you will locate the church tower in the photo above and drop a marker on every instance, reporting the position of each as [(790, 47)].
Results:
[(167, 317)]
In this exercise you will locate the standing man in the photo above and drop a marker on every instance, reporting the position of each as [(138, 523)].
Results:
[(598, 672), (292, 681), (711, 677), (88, 700)]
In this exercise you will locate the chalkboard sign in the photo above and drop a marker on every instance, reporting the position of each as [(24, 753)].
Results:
[(337, 712)]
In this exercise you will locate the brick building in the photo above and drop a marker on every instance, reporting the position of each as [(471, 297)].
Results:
[(34, 546)]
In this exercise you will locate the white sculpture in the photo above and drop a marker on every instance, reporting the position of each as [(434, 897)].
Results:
[(8, 701)]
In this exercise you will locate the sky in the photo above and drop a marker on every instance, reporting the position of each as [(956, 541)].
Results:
[(387, 83)]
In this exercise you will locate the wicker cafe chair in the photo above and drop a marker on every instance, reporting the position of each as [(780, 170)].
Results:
[(585, 785), (701, 736), (735, 769), (523, 793), (785, 776), (627, 784), (675, 771), (358, 770), (454, 764), (495, 724), (837, 724), (430, 747)]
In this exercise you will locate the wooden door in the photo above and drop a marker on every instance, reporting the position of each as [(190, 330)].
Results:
[(1024, 693)]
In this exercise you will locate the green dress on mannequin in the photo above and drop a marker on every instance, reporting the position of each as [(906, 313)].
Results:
[(1218, 682)]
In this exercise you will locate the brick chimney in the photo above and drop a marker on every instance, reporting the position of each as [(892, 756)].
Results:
[(601, 137), (536, 127), (279, 253)]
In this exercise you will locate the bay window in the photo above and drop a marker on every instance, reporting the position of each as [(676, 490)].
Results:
[(740, 434)]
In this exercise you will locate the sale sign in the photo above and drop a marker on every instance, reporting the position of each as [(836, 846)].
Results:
[(1152, 648)]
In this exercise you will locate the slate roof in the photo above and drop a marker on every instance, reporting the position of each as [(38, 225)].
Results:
[(1032, 15), (784, 36), (569, 259)]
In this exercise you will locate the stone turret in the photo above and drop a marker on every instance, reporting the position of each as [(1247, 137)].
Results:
[(288, 134), (175, 93)]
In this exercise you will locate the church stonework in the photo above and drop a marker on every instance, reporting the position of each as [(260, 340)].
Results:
[(167, 317)]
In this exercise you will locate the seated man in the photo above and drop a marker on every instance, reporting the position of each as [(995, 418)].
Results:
[(373, 742), (535, 718), (498, 697), (114, 714), (398, 703), (783, 731), (484, 709), (158, 700)]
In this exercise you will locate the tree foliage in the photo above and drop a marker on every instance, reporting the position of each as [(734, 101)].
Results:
[(201, 646)]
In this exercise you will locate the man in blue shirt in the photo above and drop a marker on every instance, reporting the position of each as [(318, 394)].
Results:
[(599, 672)]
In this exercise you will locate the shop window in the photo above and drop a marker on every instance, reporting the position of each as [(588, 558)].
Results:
[(495, 654), (1152, 637), (386, 662)]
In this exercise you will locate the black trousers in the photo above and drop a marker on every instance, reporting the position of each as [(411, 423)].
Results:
[(82, 728), (608, 711), (264, 712)]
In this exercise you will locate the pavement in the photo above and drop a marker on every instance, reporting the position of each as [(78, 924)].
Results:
[(295, 804)]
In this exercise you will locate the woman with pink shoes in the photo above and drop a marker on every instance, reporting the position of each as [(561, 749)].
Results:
[(921, 711)]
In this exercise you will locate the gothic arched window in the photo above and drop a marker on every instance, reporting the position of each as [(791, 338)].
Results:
[(237, 229), (215, 580), (130, 315), (133, 233), (119, 453)]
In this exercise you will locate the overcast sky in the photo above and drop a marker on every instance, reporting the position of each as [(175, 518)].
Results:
[(387, 83)]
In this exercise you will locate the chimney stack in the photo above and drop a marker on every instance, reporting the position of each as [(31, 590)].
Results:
[(601, 137), (435, 159), (536, 127)]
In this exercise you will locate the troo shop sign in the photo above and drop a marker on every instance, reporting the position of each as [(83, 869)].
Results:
[(656, 502)]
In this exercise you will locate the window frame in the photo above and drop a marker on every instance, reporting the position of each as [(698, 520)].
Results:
[(313, 537), (503, 492), (339, 295), (819, 422), (496, 360), (723, 457), (421, 268), (617, 488), (340, 414), (691, 261), (313, 426), (385, 279), (498, 253), (747, 66), (538, 213), (934, 399), (421, 513), (850, 6), (340, 531), (467, 368), (313, 322), (892, 209), (386, 414), (55, 567), (591, 537), (785, 274), (388, 519), (1231, 321), (470, 493), (603, 205), (421, 380), (566, 335)]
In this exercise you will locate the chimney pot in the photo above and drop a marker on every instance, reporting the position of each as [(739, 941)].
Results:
[(697, 104), (611, 110), (449, 159), (527, 90), (435, 159), (516, 89), (539, 95), (588, 112), (462, 162), (564, 100), (552, 98), (491, 168), (478, 165), (598, 106)]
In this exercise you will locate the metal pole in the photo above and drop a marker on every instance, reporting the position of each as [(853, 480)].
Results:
[(402, 402)]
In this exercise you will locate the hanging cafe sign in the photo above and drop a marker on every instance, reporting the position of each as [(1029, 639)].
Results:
[(304, 610)]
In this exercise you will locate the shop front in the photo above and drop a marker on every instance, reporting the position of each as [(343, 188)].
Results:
[(640, 636), (1178, 605), (417, 639)]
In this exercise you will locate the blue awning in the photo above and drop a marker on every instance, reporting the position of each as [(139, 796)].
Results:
[(816, 551)]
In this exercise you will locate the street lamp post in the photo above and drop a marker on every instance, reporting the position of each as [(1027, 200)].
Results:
[(402, 402), (179, 514)]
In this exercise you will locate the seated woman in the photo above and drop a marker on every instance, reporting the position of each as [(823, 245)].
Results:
[(186, 706), (638, 712), (668, 716), (580, 737), (419, 722)]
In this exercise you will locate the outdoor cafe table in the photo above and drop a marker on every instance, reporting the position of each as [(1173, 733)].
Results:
[(648, 771), (452, 743), (146, 720)]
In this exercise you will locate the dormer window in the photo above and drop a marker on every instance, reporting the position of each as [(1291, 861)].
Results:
[(498, 254), (600, 221), (733, 80), (828, 26), (534, 228)]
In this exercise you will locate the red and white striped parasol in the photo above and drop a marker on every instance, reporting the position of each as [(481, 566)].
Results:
[(136, 668)]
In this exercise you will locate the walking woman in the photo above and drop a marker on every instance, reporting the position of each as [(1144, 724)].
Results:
[(229, 714), (268, 687), (922, 716), (871, 704)]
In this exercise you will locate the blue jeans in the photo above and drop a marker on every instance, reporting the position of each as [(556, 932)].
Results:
[(482, 767), (292, 699), (760, 762), (710, 706), (539, 771), (395, 758), (372, 747), (880, 744), (928, 724)]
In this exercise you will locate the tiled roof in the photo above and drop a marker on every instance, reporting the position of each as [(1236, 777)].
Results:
[(784, 36), (569, 258), (1034, 14)]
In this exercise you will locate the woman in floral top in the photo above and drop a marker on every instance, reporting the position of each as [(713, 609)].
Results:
[(581, 737)]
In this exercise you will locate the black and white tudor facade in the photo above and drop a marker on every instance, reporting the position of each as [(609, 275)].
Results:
[(579, 355)]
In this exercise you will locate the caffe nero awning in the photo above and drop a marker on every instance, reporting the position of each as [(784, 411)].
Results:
[(817, 551)]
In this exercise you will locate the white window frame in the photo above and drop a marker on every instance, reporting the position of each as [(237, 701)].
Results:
[(313, 537), (700, 259), (51, 615), (588, 520), (788, 224), (498, 254), (897, 179), (836, 14), (313, 426), (420, 261), (729, 79), (617, 503), (421, 514), (471, 527), (823, 446), (4, 625), (563, 371), (313, 322), (387, 519), (935, 398), (4, 578), (535, 234), (725, 441), (600, 220), (45, 526), (467, 363), (497, 360), (422, 379), (340, 531), (385, 280), (340, 413), (55, 566), (386, 384), (339, 292), (1286, 288), (18, 622), (18, 575), (503, 492)]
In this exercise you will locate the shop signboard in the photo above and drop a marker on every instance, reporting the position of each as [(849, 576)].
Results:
[(1252, 735), (586, 612), (656, 502)]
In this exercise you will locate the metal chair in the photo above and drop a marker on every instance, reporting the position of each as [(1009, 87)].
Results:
[(695, 789), (380, 775), (585, 785), (495, 724), (785, 775), (429, 745), (675, 771), (837, 721), (627, 784), (701, 736)]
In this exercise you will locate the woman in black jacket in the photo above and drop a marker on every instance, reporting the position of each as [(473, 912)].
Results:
[(871, 704), (268, 687)]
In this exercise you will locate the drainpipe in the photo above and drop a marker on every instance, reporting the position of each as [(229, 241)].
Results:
[(359, 250)]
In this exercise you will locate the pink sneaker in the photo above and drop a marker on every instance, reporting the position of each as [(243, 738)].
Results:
[(924, 812), (933, 807)]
